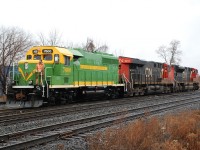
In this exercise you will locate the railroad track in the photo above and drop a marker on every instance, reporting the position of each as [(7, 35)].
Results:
[(65, 110), (13, 111), (29, 138)]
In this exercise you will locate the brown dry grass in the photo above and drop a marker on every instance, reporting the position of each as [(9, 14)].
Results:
[(172, 132)]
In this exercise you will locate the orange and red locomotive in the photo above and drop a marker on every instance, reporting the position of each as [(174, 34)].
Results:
[(141, 77)]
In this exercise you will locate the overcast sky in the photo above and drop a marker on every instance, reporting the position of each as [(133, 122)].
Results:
[(135, 28)]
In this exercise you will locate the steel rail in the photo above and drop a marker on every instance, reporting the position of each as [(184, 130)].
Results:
[(55, 134), (42, 114), (15, 111)]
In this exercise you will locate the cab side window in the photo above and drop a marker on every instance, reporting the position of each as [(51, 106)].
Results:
[(29, 57), (67, 60), (48, 57), (56, 58)]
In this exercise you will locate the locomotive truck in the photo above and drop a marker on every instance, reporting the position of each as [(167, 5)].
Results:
[(74, 74)]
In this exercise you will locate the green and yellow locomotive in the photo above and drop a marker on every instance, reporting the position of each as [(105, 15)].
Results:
[(68, 75)]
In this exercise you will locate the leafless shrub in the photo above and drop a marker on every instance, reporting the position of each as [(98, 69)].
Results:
[(178, 132)]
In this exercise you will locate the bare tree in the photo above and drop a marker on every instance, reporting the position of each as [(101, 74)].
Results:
[(53, 39), (13, 44), (42, 39), (102, 48), (162, 52), (118, 53), (175, 52), (171, 54), (95, 47), (90, 47)]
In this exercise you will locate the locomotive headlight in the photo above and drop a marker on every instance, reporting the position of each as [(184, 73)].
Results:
[(25, 65), (30, 82)]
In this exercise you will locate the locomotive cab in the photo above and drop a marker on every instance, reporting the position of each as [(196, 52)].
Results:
[(53, 60), (26, 91)]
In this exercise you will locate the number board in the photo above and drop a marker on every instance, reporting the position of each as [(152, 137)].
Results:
[(47, 51), (35, 51)]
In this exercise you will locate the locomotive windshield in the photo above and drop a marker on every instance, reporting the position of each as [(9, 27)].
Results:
[(29, 57), (37, 57), (47, 57)]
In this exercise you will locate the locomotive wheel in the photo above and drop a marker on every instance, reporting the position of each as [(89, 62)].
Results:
[(71, 97), (141, 93)]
